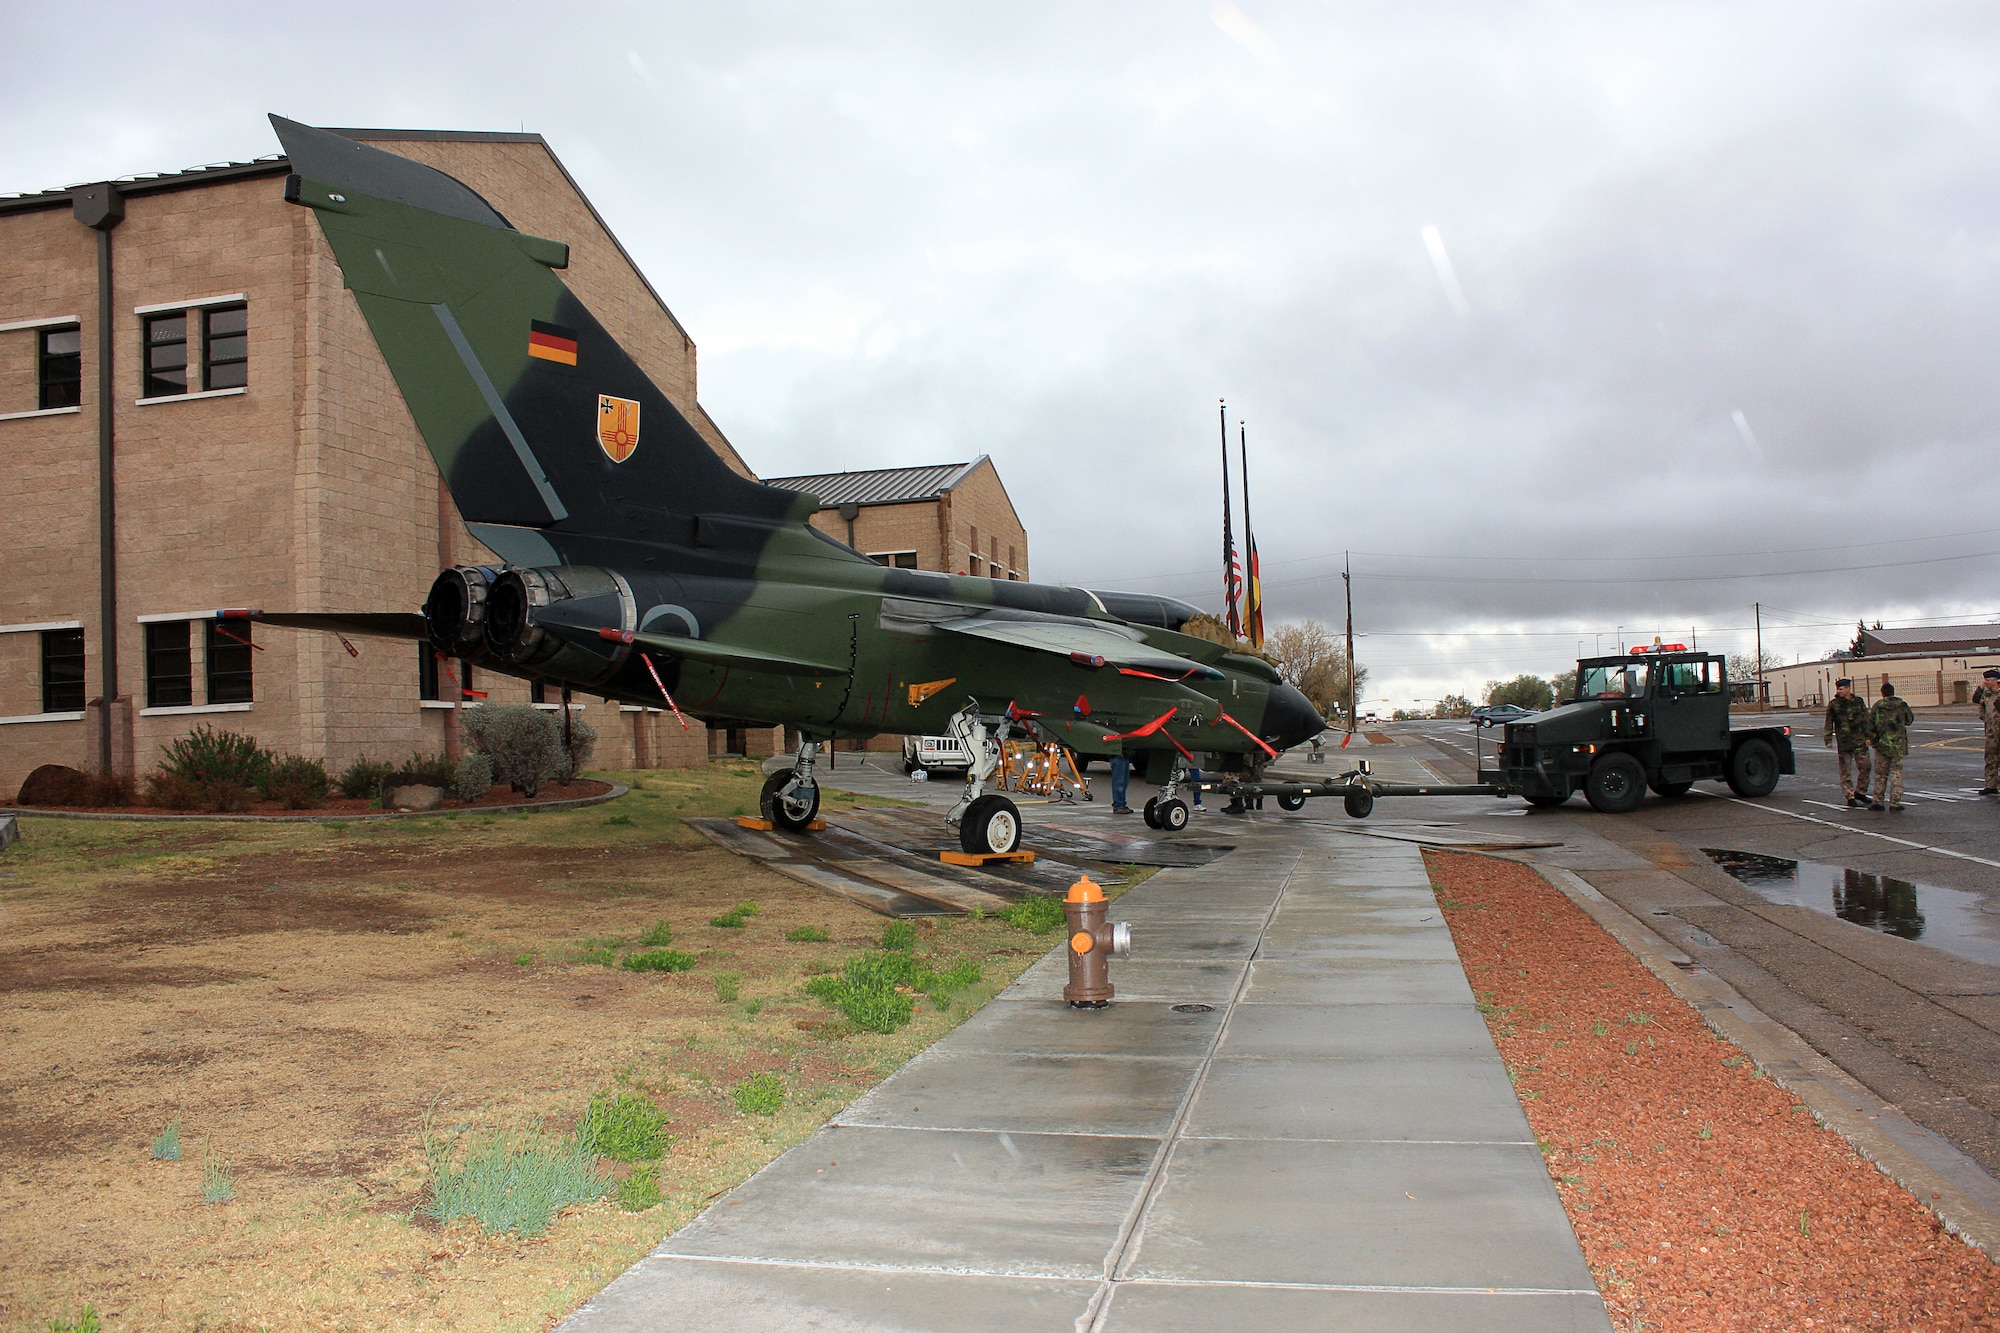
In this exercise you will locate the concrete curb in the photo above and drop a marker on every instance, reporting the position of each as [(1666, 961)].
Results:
[(1953, 1186), (526, 807)]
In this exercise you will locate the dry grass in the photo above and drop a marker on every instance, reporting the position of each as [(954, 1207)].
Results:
[(302, 996)]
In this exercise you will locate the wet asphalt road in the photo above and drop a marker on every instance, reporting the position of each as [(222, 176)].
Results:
[(1916, 1020)]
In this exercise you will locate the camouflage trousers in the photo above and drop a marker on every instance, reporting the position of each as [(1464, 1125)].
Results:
[(1992, 757), (1855, 769), (1888, 779)]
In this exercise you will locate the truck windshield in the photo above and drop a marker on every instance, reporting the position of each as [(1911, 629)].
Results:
[(1612, 682)]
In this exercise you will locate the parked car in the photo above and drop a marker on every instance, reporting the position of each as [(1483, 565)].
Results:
[(1493, 715)]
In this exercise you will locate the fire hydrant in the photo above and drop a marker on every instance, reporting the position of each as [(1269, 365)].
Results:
[(1093, 943)]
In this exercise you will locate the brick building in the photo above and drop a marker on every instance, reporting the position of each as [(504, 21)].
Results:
[(955, 518), (188, 337)]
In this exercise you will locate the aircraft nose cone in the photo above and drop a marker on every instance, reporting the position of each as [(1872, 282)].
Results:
[(1289, 718)]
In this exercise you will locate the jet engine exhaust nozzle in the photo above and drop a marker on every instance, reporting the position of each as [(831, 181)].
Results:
[(455, 611)]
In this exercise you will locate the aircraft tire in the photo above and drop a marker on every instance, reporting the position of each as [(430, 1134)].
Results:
[(1359, 802), (1616, 784), (1293, 803), (1150, 813), (992, 824), (1171, 816), (793, 814), (1753, 769)]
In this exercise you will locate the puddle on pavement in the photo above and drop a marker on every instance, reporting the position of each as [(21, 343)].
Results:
[(1948, 919)]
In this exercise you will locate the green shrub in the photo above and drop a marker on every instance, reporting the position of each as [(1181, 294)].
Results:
[(1035, 913), (807, 935), (658, 960), (760, 1094), (639, 1191), (513, 1185), (472, 777), (625, 1128), (297, 783), (362, 780), (728, 921), (657, 934), (218, 1179), (570, 760), (86, 1322), (171, 791), (726, 986), (900, 936), (524, 743), (167, 1147), (424, 770), (224, 758)]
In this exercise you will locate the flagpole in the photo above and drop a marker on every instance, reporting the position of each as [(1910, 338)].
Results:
[(1229, 618), (1253, 591)]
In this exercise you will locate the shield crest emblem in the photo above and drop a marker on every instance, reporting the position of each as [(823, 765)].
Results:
[(617, 426)]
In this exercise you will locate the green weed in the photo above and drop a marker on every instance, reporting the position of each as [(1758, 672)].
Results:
[(86, 1322), (1706, 1133), (639, 1191), (1035, 913), (659, 960), (625, 1128), (218, 1180), (1599, 1030), (167, 1147), (619, 821), (807, 935), (1631, 1048), (760, 1094), (727, 921), (657, 934), (600, 956), (1638, 1020), (875, 990), (725, 986), (509, 1185), (523, 959), (900, 936), (746, 908)]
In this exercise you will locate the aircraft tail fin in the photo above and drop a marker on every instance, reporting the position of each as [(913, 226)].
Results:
[(535, 414)]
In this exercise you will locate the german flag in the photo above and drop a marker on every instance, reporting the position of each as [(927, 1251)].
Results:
[(551, 342)]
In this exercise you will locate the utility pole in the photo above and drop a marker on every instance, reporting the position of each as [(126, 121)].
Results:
[(1760, 651), (1347, 579)]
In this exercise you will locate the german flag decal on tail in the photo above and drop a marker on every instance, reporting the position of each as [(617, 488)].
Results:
[(551, 342), (617, 426)]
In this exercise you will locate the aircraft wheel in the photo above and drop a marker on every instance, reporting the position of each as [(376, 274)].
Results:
[(1291, 802), (992, 824), (1359, 802), (1753, 769), (1549, 802), (1151, 813), (1171, 816), (791, 813), (1616, 784), (1671, 789)]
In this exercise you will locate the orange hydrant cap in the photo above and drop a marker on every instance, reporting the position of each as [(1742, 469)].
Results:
[(1084, 890), (1083, 941)]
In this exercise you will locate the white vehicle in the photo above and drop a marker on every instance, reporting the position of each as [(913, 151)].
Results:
[(934, 754)]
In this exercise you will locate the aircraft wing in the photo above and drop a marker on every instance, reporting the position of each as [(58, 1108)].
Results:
[(379, 624), (1087, 644), (710, 653)]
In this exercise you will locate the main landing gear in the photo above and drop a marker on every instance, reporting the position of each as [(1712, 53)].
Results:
[(986, 823), (1167, 810), (790, 799)]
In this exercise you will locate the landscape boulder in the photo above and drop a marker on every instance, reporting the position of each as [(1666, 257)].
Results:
[(51, 784), (415, 797)]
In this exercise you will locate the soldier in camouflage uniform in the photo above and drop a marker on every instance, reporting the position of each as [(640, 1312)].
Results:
[(1891, 721), (1987, 696), (1847, 722)]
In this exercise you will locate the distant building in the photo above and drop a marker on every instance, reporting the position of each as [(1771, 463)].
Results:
[(955, 518), (1930, 666), (262, 456)]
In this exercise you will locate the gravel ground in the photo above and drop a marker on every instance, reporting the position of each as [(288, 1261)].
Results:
[(1705, 1196)]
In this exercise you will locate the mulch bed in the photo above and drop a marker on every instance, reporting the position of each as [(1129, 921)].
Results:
[(335, 806), (1705, 1196)]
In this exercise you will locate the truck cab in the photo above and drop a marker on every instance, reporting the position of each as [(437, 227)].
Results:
[(1649, 719)]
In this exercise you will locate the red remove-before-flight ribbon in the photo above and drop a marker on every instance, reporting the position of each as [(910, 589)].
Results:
[(655, 673), (1247, 732)]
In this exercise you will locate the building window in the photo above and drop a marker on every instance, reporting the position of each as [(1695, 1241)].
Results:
[(60, 368), (427, 672), (166, 356), (62, 671), (538, 691), (169, 664), (895, 559), (974, 567), (228, 652), (225, 348), (995, 550)]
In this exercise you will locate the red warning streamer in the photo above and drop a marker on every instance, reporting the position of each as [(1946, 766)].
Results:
[(1154, 726), (1247, 732), (655, 673)]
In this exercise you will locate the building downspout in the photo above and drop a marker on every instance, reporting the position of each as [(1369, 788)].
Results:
[(101, 208)]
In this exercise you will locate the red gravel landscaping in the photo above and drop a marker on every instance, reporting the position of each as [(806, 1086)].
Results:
[(1705, 1196)]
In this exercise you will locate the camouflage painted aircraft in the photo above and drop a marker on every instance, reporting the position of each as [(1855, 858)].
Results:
[(640, 568)]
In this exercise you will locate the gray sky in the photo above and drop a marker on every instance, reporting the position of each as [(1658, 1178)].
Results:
[(1713, 290)]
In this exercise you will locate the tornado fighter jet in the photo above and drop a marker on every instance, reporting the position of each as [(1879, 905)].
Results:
[(638, 567)]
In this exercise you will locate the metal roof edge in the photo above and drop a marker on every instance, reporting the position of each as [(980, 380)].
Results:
[(161, 184)]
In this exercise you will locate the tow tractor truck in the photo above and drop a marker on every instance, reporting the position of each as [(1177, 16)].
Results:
[(1653, 718)]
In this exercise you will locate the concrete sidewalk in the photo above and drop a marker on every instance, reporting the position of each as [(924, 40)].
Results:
[(1291, 1116)]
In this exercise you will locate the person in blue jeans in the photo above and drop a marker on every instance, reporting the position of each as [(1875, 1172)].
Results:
[(1121, 774), (1194, 776)]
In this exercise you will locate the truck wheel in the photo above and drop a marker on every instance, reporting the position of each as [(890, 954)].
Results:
[(791, 813), (1547, 802), (1753, 769), (1291, 802), (1171, 816), (1359, 802), (1671, 789), (1616, 784), (993, 824)]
